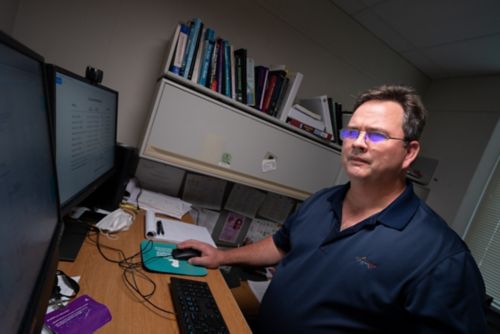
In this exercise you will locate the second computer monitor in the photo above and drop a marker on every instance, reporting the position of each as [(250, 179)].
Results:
[(85, 124)]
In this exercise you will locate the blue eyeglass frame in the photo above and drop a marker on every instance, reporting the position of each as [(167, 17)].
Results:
[(371, 136)]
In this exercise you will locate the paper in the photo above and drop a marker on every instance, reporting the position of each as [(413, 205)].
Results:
[(171, 206), (159, 177), (269, 165), (204, 191), (258, 288), (276, 207), (260, 228), (174, 231), (205, 217), (133, 190), (244, 200)]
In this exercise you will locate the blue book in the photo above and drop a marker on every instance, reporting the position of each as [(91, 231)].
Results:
[(180, 48), (207, 56), (227, 70), (190, 47)]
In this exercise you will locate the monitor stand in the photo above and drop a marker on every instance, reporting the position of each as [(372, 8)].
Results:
[(75, 232)]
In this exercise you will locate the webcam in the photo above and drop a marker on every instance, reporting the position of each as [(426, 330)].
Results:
[(94, 75)]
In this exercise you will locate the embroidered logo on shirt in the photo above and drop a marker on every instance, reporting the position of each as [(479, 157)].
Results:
[(363, 260)]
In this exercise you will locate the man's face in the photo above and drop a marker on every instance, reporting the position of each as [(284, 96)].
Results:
[(364, 160)]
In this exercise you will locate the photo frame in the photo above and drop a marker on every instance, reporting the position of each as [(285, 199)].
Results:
[(230, 229)]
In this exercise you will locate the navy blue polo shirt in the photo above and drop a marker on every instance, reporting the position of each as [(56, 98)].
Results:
[(403, 270)]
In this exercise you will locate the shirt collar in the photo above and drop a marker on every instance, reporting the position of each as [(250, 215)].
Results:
[(397, 215)]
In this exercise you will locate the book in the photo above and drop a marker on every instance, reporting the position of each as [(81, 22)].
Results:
[(196, 43), (226, 86), (212, 78), (295, 80), (220, 66), (179, 40), (195, 73), (338, 119), (261, 74), (192, 42), (319, 105), (296, 112), (275, 76), (310, 129), (281, 96), (250, 82), (233, 70), (334, 119), (240, 59), (208, 47), (307, 112), (277, 92)]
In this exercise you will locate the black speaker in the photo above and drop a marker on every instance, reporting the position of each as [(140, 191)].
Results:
[(109, 195)]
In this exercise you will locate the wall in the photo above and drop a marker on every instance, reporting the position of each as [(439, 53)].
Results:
[(128, 39), (463, 116), (8, 10)]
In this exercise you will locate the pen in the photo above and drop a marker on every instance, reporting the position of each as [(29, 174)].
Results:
[(159, 227)]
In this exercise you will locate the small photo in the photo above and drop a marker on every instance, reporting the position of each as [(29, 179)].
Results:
[(232, 227)]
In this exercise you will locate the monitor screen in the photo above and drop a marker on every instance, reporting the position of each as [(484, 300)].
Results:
[(29, 229), (85, 117)]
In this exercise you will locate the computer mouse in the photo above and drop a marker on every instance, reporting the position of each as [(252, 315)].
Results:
[(185, 254)]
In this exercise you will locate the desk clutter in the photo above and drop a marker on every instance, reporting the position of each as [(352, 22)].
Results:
[(234, 214), (160, 228)]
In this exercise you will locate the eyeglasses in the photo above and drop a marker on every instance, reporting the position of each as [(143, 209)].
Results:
[(371, 136)]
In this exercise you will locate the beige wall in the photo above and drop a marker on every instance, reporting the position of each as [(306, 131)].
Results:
[(128, 39), (8, 11), (463, 116)]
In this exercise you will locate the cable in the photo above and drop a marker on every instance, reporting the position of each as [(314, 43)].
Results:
[(132, 269)]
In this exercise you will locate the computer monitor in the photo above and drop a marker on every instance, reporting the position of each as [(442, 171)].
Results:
[(30, 225), (84, 118)]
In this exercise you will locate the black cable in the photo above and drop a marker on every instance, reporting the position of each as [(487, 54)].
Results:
[(131, 269)]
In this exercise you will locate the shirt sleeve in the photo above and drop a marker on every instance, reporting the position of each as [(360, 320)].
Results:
[(450, 298), (282, 238)]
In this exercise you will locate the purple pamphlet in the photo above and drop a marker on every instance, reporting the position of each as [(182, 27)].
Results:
[(82, 315)]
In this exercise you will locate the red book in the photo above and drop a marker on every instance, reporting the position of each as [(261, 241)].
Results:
[(310, 129), (268, 94)]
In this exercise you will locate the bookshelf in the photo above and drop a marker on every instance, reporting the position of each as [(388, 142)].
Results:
[(208, 128), (196, 129), (252, 111)]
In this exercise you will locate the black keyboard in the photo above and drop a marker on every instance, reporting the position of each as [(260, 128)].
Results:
[(195, 307)]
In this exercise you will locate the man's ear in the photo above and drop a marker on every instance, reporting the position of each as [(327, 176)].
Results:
[(412, 149)]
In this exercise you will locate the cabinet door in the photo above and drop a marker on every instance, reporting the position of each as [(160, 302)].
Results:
[(196, 132)]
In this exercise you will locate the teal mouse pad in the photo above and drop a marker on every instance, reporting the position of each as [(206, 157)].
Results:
[(157, 256)]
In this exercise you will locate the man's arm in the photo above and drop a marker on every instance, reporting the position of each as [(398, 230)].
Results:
[(261, 253)]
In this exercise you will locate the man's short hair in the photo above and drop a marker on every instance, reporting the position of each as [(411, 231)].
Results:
[(415, 114)]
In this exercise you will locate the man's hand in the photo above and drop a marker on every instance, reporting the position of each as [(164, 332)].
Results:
[(261, 253), (210, 257)]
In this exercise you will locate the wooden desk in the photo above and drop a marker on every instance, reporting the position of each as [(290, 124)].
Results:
[(103, 281)]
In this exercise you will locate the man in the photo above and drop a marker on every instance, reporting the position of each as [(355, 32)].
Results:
[(368, 256)]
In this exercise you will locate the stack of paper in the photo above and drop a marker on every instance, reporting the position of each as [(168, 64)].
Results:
[(174, 231), (171, 206)]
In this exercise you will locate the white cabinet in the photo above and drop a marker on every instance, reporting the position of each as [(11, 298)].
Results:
[(197, 132)]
